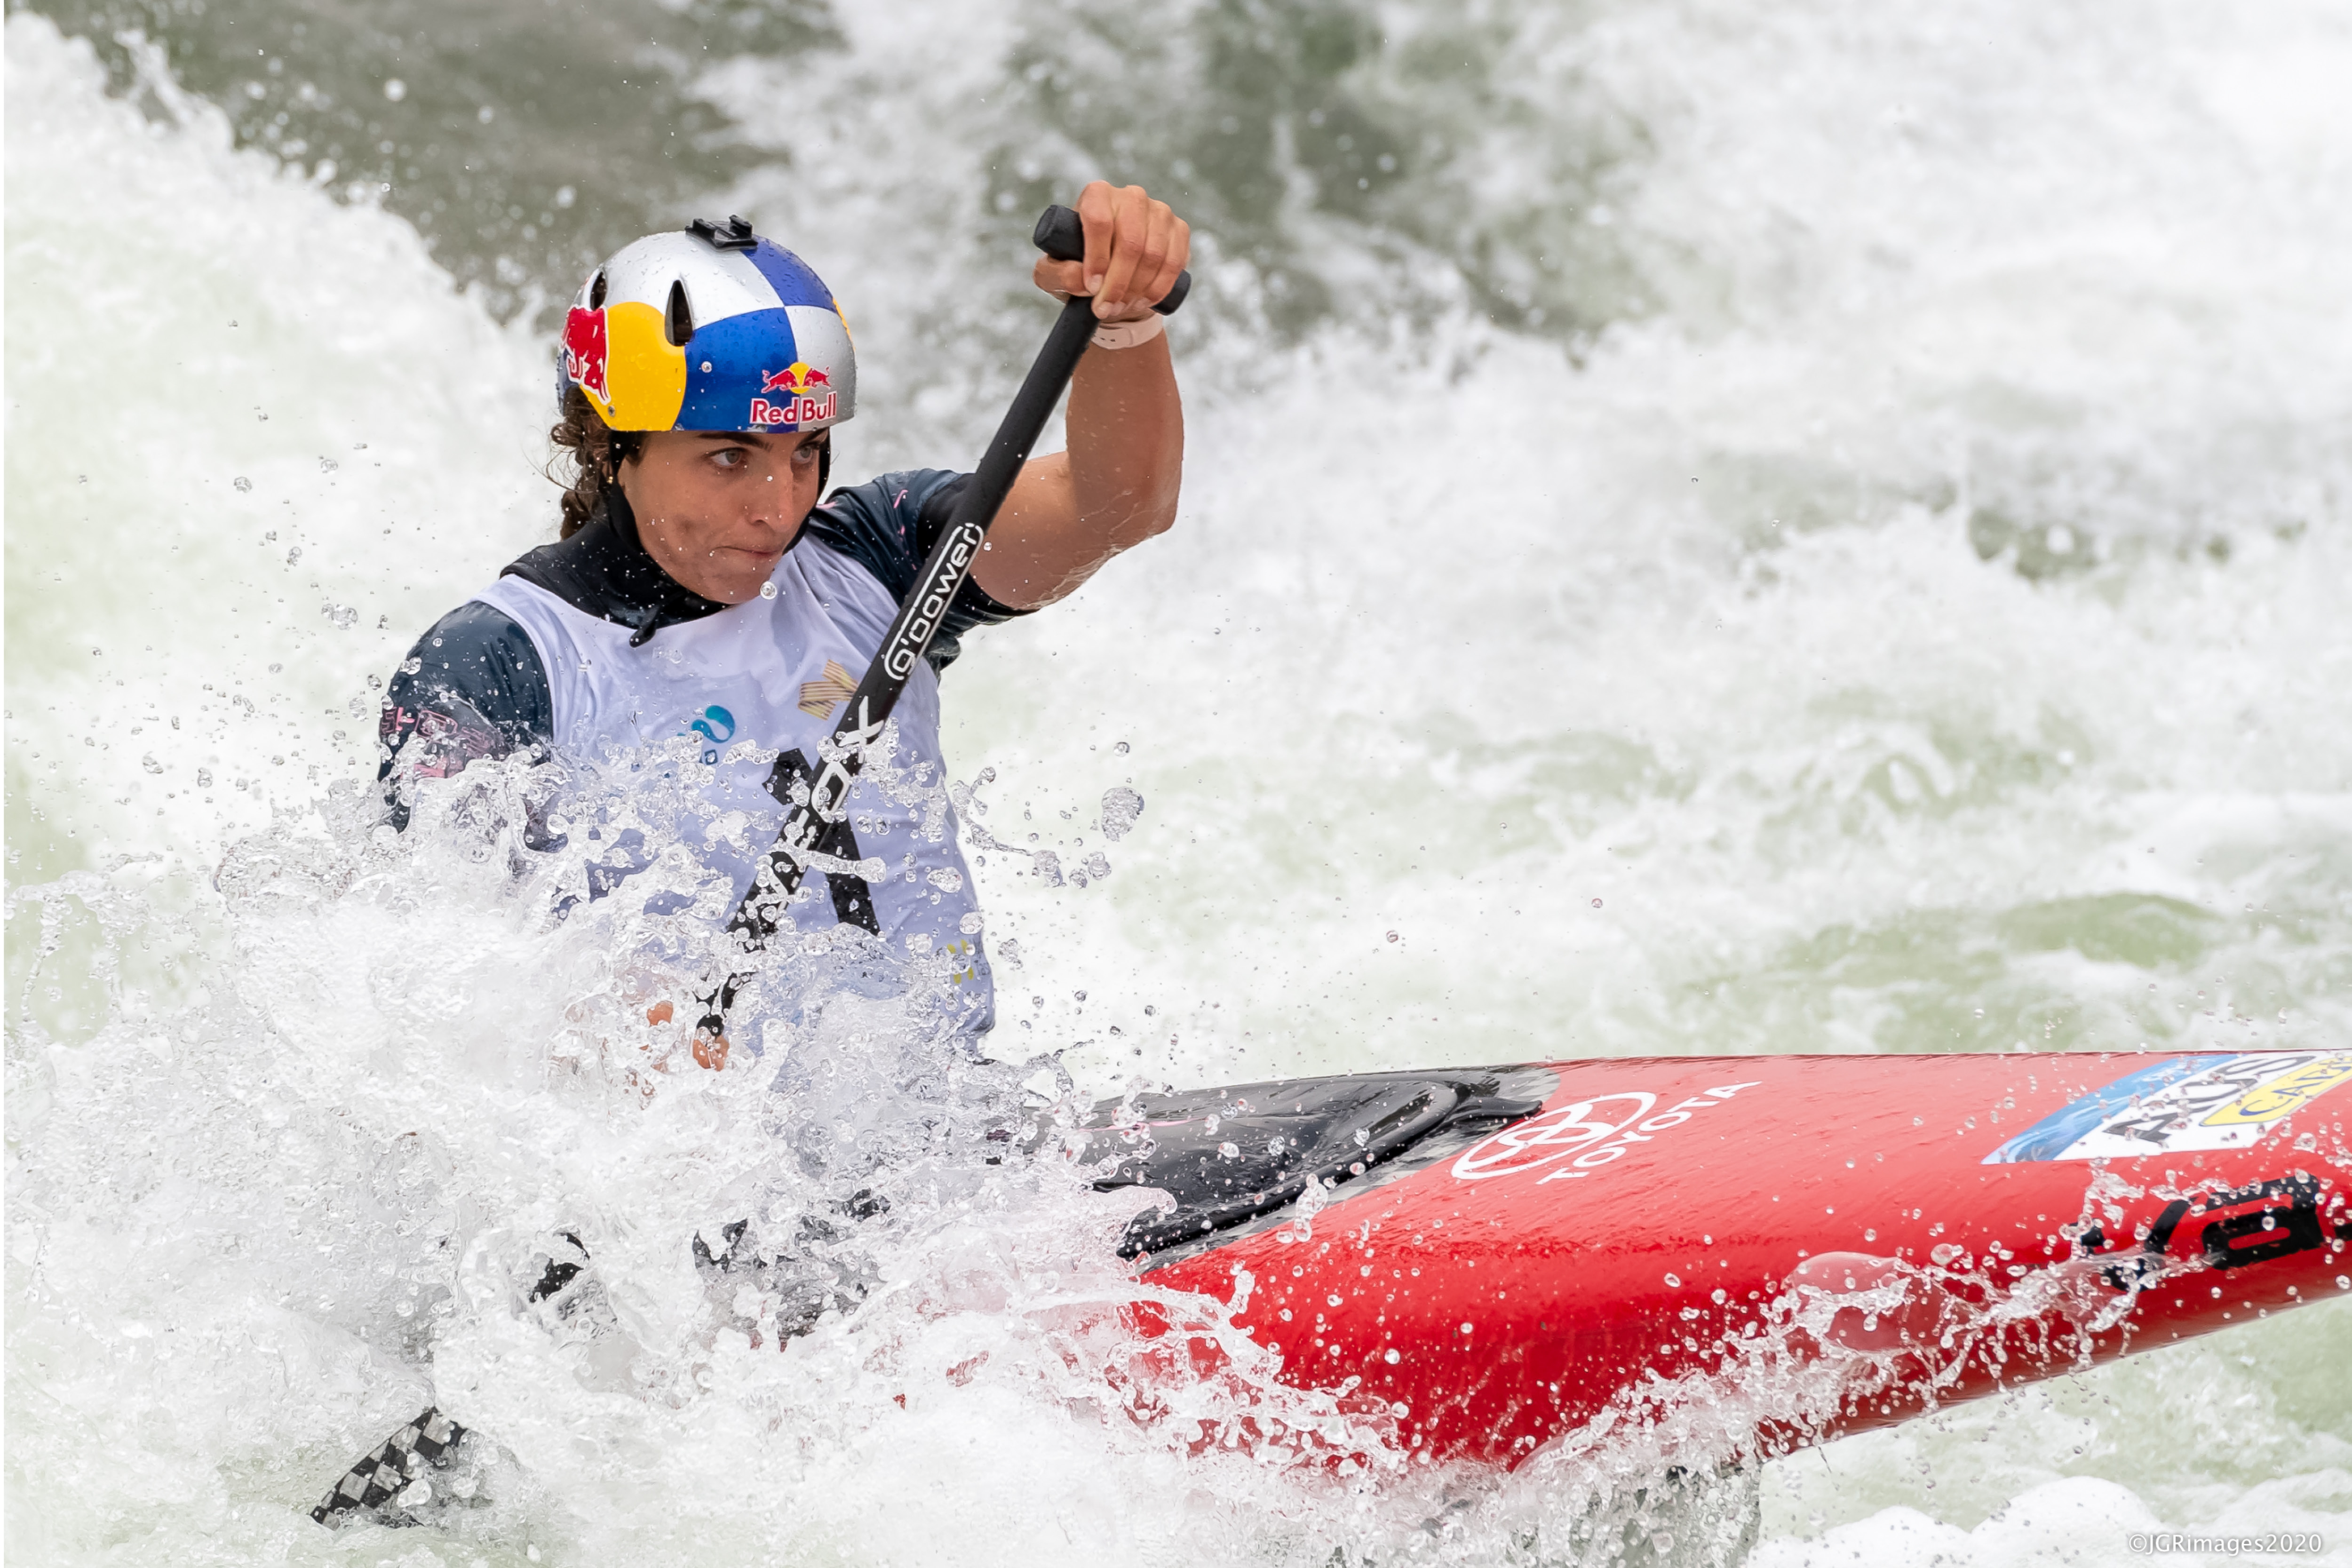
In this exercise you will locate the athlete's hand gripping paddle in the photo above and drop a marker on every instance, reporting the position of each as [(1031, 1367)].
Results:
[(815, 806)]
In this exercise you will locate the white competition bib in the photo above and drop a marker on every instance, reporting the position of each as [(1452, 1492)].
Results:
[(726, 691)]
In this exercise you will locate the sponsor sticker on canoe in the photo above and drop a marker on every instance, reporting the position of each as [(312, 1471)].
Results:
[(1588, 1133), (2181, 1105)]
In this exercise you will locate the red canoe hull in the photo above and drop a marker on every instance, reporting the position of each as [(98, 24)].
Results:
[(1903, 1230)]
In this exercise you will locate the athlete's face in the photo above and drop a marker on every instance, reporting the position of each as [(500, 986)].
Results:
[(717, 508)]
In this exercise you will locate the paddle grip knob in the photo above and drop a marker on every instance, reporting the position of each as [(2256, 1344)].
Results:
[(1062, 235)]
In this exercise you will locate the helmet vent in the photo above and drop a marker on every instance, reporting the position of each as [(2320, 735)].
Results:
[(596, 290), (681, 319)]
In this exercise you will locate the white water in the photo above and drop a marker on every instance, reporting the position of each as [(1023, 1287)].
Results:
[(1457, 636)]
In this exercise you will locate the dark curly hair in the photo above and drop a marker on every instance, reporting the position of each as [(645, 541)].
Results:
[(595, 454)]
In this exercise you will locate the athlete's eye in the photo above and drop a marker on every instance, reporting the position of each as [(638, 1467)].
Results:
[(806, 453), (728, 457)]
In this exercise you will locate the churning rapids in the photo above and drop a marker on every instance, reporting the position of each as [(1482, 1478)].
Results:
[(1708, 529)]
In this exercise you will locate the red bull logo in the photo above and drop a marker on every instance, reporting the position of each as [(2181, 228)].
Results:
[(585, 350), (802, 404)]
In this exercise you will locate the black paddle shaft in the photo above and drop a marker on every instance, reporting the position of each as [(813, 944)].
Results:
[(814, 805)]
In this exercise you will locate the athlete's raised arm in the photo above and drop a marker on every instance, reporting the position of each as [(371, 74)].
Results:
[(1117, 484)]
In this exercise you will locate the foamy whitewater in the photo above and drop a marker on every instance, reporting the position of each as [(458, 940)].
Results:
[(1817, 528)]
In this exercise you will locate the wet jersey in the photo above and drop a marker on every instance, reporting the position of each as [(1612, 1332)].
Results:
[(586, 652)]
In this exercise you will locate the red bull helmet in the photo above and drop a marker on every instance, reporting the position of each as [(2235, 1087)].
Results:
[(709, 328)]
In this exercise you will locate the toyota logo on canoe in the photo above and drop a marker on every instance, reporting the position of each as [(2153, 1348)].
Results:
[(1554, 1135), (1589, 1134)]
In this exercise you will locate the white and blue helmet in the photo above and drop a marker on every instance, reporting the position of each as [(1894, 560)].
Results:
[(710, 328)]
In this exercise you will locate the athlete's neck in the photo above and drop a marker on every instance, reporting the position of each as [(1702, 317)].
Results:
[(605, 570)]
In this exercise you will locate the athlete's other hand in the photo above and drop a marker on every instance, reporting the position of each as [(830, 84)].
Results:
[(1134, 248)]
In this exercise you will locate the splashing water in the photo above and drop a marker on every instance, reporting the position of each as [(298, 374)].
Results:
[(1718, 533), (1121, 807)]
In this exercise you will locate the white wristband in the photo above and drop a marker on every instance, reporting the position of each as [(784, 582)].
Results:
[(1129, 334)]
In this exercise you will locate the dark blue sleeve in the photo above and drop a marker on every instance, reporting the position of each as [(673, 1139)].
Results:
[(472, 686), (888, 526)]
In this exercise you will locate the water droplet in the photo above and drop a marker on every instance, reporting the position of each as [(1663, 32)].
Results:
[(1393, 936), (1392, 1358), (970, 924), (394, 90), (242, 483), (1121, 748), (1120, 807), (767, 590), (1596, 903), (1675, 1281)]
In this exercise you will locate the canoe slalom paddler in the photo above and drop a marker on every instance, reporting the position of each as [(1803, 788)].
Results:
[(685, 655), (704, 609)]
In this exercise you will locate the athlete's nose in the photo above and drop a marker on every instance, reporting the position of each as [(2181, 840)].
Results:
[(768, 513)]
